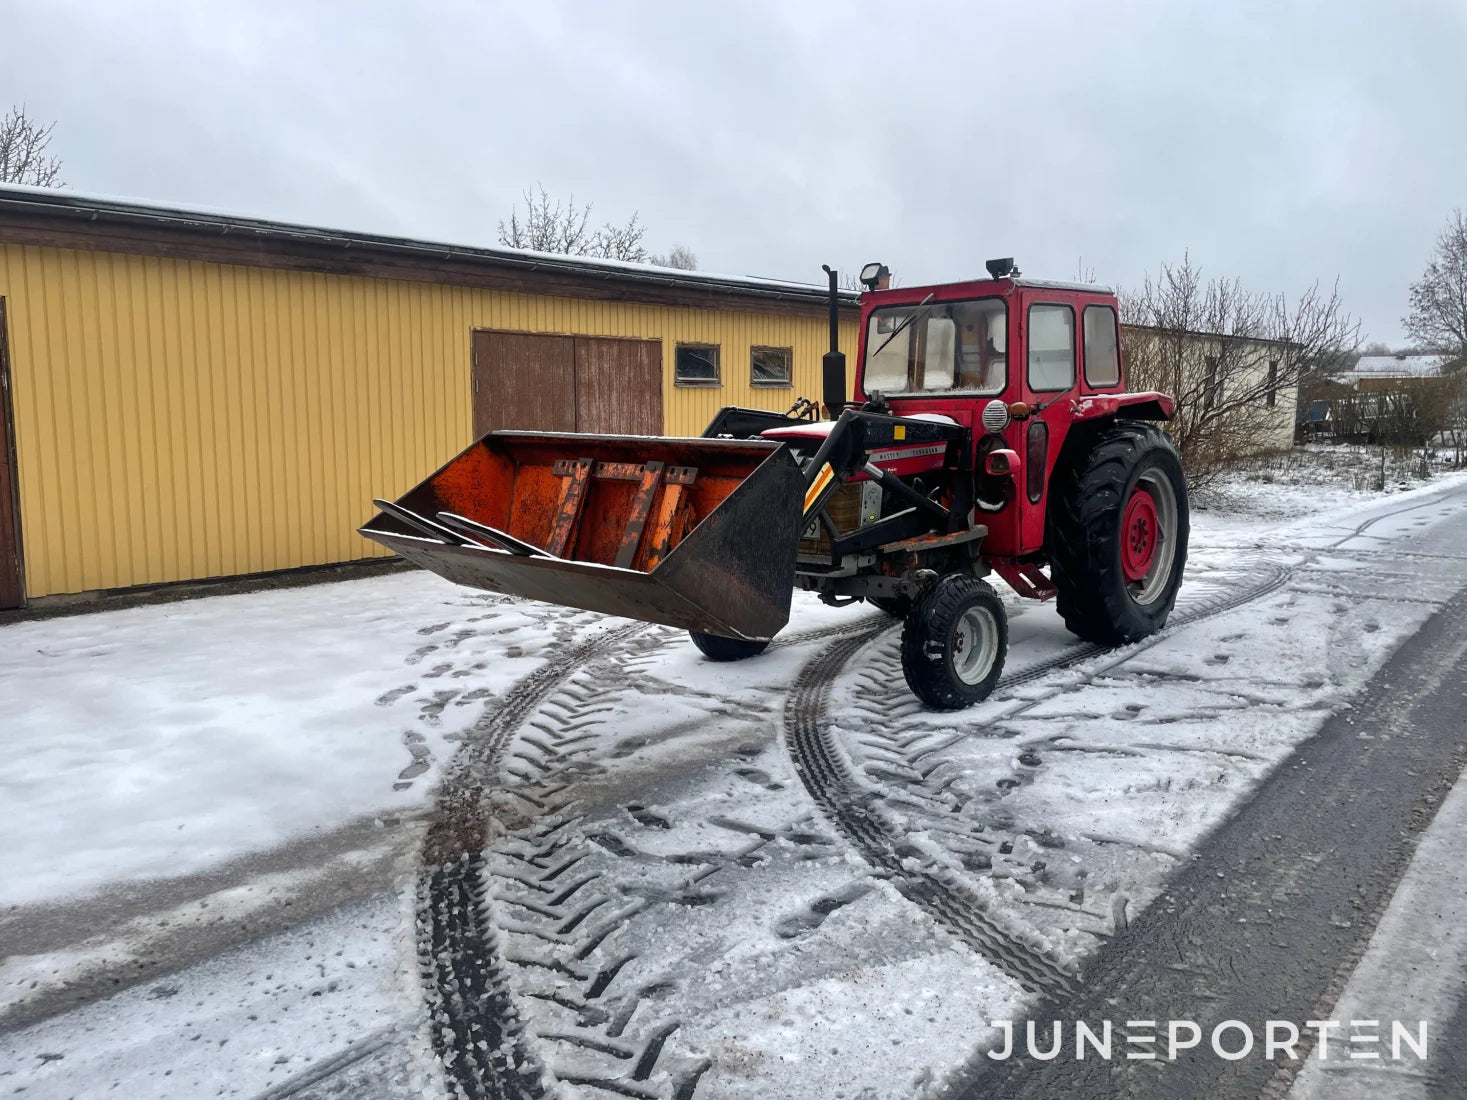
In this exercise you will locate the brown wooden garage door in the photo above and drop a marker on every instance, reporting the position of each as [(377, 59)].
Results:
[(566, 384), (11, 593)]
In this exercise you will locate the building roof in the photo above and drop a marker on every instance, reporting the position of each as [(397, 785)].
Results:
[(1192, 334), (1399, 366), (71, 219)]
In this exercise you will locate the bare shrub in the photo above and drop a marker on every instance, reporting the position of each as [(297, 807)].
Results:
[(1228, 355)]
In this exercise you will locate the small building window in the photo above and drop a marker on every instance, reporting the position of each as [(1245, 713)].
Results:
[(770, 366), (1271, 398), (1102, 348), (697, 365), (1051, 347), (1211, 384)]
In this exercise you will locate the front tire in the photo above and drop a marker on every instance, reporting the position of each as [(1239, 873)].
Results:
[(1117, 534), (954, 641), (717, 648)]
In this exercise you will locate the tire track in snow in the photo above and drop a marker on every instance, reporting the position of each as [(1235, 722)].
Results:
[(910, 772), (474, 1024), (855, 805), (571, 896), (458, 948), (854, 811), (476, 1027)]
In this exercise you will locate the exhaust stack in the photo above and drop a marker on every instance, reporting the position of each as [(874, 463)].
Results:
[(833, 364)]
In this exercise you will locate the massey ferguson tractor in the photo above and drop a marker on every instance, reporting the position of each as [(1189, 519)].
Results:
[(990, 432)]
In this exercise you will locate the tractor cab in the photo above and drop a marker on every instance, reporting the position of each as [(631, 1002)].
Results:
[(1014, 362), (1018, 361)]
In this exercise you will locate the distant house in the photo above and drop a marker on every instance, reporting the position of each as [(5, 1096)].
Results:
[(1402, 399), (1385, 373)]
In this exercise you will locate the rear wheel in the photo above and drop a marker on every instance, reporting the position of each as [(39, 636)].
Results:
[(954, 641), (1117, 535), (717, 648)]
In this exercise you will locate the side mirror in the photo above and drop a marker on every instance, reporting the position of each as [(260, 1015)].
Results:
[(1001, 462)]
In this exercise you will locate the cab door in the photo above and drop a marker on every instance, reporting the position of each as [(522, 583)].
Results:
[(1050, 374)]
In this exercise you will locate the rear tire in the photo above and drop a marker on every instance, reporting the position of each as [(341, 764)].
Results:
[(1117, 534), (954, 641), (717, 648)]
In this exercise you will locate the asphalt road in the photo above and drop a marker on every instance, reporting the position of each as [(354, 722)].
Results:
[(1277, 907)]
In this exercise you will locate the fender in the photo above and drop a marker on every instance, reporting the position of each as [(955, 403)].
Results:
[(1138, 406)]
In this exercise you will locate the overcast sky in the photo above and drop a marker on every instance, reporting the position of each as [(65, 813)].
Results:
[(1280, 142)]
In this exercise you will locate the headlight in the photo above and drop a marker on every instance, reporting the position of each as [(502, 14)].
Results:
[(995, 416)]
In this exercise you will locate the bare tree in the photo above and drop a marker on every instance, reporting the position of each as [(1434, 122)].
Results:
[(679, 256), (622, 242), (1228, 354), (1436, 405), (1438, 315), (23, 156), (550, 225)]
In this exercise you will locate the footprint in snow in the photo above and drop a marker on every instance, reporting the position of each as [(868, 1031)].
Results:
[(387, 698), (815, 914), (760, 778)]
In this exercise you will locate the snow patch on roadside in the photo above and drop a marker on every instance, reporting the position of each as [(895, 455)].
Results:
[(159, 741)]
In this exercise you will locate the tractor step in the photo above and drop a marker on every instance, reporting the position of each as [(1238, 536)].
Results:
[(1027, 579)]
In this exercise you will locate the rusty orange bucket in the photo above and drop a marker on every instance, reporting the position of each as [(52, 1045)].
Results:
[(693, 533)]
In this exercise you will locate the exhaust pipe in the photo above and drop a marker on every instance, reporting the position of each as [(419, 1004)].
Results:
[(833, 364)]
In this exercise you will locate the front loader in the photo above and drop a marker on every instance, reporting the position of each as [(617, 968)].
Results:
[(990, 432)]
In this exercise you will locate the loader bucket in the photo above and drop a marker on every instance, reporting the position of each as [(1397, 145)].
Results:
[(693, 533)]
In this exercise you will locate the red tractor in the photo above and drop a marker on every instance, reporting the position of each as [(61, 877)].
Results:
[(989, 432)]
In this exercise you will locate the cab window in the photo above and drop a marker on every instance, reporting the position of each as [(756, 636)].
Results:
[(1051, 347), (1102, 349), (942, 347)]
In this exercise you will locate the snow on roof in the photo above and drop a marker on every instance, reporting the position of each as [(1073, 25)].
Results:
[(1400, 366), (203, 216)]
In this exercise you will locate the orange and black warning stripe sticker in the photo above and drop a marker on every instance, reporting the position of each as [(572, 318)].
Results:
[(822, 479)]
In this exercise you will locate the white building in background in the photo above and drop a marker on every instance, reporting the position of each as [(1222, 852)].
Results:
[(1206, 367)]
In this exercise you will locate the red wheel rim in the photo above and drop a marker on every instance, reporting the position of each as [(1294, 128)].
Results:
[(1140, 529)]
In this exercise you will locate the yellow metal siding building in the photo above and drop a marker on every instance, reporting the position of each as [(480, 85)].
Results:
[(187, 405)]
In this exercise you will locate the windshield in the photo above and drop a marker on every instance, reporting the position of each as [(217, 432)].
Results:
[(945, 347)]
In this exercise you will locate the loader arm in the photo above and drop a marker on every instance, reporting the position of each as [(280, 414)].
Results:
[(847, 451)]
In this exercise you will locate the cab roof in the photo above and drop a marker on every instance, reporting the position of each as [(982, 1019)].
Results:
[(994, 286)]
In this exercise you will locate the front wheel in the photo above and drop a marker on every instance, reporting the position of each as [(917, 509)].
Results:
[(718, 648), (954, 641)]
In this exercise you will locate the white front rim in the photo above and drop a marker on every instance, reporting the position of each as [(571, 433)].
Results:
[(975, 644)]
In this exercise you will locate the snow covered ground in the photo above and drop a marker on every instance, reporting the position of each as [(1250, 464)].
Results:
[(668, 895), (190, 734)]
